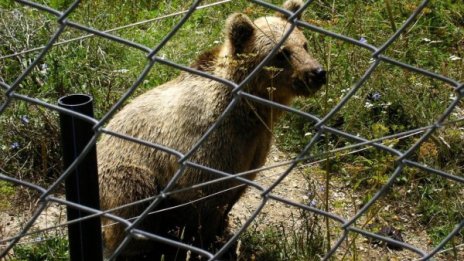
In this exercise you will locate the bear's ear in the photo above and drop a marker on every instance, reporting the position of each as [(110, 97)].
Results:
[(292, 6), (239, 29)]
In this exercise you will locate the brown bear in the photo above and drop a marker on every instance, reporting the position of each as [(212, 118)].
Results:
[(178, 113)]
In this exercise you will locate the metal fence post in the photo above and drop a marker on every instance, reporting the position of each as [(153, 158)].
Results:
[(85, 241)]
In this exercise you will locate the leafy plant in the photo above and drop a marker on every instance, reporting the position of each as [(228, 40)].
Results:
[(49, 248), (303, 240)]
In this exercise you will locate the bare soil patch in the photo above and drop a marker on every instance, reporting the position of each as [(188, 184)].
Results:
[(343, 202)]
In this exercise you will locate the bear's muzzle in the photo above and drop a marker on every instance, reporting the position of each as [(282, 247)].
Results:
[(309, 81)]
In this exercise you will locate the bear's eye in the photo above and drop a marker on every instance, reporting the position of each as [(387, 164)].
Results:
[(305, 46), (283, 55)]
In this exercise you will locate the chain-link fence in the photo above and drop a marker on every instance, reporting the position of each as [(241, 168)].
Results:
[(403, 159)]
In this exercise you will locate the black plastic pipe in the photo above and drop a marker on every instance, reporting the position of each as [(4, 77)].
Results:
[(82, 184)]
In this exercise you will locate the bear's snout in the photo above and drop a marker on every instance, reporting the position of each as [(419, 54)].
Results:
[(310, 80), (319, 76)]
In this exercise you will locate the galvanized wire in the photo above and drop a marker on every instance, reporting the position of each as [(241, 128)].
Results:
[(403, 159)]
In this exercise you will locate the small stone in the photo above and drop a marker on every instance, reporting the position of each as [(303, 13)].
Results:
[(391, 232)]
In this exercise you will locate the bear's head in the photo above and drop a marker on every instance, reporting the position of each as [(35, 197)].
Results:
[(291, 72)]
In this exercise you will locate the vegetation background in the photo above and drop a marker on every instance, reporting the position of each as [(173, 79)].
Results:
[(393, 100)]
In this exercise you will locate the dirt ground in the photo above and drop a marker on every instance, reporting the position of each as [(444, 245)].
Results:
[(295, 188), (342, 199)]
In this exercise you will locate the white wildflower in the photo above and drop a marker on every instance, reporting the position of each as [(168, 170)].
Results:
[(454, 58), (121, 71)]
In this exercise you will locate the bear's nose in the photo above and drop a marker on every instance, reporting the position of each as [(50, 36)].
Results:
[(319, 75)]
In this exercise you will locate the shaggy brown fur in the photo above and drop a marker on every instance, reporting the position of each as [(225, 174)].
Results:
[(177, 113)]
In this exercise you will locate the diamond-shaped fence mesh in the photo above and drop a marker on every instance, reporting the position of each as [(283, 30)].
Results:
[(404, 158)]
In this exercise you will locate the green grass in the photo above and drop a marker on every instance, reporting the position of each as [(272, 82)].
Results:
[(391, 101), (6, 191), (302, 240), (405, 101), (52, 248)]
